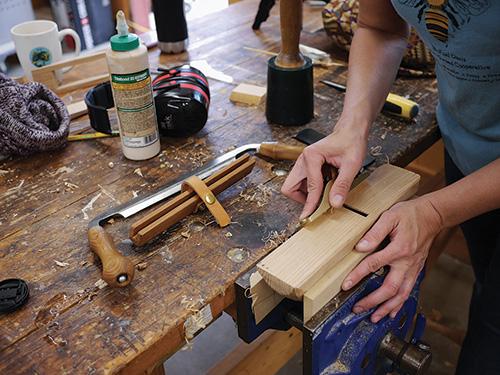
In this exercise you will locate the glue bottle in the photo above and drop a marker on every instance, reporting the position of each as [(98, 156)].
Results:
[(128, 66)]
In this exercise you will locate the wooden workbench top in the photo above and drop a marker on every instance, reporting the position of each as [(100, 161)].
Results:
[(73, 322)]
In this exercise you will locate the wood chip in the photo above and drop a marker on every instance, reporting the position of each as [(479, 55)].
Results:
[(138, 172), (61, 264), (142, 266), (70, 186)]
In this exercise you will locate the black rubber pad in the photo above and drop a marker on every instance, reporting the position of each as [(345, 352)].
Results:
[(13, 294)]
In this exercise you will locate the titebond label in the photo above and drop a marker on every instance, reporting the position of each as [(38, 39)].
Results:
[(134, 104)]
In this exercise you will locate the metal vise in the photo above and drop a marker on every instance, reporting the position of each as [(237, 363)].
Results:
[(337, 341)]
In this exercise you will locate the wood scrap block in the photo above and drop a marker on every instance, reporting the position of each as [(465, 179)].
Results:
[(77, 109), (264, 298), (300, 262), (248, 94)]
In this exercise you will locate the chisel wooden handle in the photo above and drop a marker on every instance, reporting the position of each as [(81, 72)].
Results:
[(116, 269), (280, 151)]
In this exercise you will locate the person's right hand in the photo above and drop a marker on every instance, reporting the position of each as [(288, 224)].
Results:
[(344, 149)]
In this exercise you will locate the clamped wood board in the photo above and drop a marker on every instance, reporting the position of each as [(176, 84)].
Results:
[(311, 265)]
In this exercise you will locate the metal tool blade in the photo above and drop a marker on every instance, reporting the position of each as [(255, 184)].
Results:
[(140, 203), (325, 203)]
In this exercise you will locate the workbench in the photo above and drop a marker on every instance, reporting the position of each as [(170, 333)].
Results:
[(73, 322)]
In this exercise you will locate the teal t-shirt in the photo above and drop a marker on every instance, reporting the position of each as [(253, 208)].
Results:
[(464, 38)]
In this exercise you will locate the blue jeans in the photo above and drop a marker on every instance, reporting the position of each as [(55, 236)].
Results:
[(480, 354)]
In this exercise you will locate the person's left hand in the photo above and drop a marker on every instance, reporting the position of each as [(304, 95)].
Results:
[(411, 227)]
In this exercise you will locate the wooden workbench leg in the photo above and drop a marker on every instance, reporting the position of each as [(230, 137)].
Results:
[(159, 370)]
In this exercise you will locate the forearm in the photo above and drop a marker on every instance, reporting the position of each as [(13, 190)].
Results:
[(469, 197), (376, 52)]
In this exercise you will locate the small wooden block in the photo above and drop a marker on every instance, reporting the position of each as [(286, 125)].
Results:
[(264, 298), (77, 109), (248, 94)]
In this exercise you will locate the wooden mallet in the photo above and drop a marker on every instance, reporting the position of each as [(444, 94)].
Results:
[(290, 87)]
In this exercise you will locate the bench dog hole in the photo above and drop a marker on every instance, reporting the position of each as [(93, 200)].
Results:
[(238, 254), (280, 170)]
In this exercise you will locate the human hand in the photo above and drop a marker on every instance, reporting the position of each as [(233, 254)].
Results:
[(411, 227), (343, 149)]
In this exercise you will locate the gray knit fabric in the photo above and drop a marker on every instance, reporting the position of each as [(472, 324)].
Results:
[(32, 118)]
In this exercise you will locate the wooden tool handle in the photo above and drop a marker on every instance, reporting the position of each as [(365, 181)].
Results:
[(116, 269), (280, 151), (291, 25)]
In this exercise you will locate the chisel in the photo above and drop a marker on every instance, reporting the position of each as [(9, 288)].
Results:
[(394, 104)]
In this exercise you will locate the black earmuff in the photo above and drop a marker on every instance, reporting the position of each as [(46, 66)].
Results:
[(182, 99)]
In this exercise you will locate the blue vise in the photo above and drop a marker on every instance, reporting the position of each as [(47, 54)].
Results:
[(337, 341)]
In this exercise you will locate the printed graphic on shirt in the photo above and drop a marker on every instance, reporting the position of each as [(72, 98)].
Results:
[(445, 17)]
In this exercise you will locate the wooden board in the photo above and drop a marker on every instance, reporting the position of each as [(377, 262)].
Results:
[(264, 298), (294, 267), (330, 284)]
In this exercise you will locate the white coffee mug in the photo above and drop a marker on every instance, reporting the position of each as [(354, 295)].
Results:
[(38, 43)]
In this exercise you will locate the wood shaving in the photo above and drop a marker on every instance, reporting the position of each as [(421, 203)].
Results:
[(189, 304), (89, 206), (274, 239), (185, 234), (61, 264), (382, 137), (138, 172), (17, 187), (3, 172), (99, 284), (228, 234), (142, 266), (70, 187), (260, 195), (189, 345), (111, 165), (377, 151)]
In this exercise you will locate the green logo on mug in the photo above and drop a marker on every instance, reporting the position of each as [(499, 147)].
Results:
[(40, 56)]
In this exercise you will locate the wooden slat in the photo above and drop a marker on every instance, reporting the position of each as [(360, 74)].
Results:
[(299, 263), (269, 353), (330, 284)]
